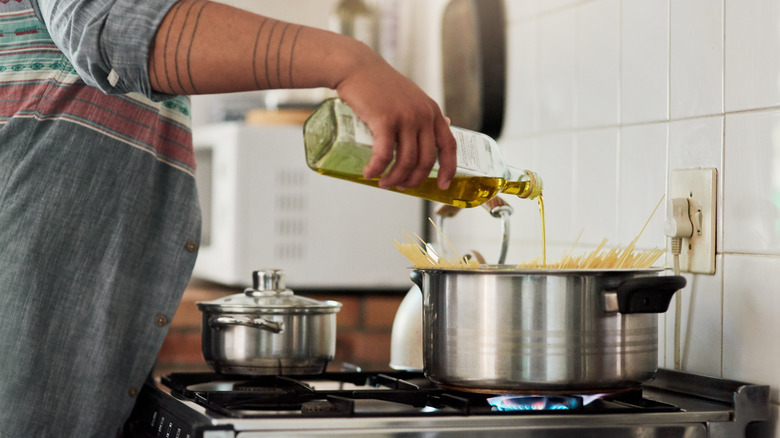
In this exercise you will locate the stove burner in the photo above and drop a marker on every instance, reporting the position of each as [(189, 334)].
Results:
[(367, 394), (401, 403), (515, 402)]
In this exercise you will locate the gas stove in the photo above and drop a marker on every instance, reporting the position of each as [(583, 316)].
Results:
[(406, 404)]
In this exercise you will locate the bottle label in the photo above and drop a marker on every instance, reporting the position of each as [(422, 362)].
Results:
[(474, 150), (363, 132), (351, 128)]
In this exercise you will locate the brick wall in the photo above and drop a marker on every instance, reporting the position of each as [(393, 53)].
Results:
[(364, 326)]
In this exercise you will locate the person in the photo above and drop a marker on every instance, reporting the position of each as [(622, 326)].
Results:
[(99, 221)]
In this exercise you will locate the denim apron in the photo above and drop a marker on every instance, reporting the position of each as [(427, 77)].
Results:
[(99, 221)]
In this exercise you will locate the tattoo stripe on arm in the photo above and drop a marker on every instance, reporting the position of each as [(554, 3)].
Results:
[(292, 55), (254, 55), (203, 5), (173, 57), (172, 72), (271, 62), (155, 79), (267, 49), (165, 47), (185, 20), (279, 56)]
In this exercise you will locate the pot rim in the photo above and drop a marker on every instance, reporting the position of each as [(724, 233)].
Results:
[(513, 270), (327, 307)]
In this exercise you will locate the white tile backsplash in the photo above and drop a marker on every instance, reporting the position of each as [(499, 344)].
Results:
[(642, 182), (752, 58), (595, 186), (555, 63), (522, 115), (696, 143), (696, 57), (751, 205), (597, 64), (644, 61)]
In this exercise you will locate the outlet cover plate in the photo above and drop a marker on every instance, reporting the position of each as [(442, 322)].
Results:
[(699, 187)]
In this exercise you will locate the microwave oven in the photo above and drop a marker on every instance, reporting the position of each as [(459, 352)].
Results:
[(263, 208)]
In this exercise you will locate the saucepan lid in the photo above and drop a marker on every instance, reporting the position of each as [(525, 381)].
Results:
[(269, 294)]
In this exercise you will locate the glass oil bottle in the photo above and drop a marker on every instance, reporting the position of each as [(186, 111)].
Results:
[(338, 144)]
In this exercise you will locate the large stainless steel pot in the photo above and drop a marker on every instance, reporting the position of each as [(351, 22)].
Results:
[(268, 330), (504, 330)]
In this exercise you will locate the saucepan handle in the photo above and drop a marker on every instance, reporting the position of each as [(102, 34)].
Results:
[(219, 321), (647, 294)]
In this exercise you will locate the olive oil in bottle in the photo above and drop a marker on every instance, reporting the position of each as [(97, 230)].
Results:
[(338, 144)]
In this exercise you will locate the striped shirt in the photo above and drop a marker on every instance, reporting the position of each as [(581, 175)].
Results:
[(99, 221), (38, 81)]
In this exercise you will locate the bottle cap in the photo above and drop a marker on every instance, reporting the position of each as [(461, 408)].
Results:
[(534, 188)]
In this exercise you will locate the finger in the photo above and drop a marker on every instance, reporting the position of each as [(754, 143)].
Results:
[(426, 158), (405, 160), (448, 159), (382, 154)]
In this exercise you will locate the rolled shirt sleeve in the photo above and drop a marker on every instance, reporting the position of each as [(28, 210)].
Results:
[(107, 41)]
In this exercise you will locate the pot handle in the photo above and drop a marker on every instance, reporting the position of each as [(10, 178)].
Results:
[(497, 207), (219, 321), (647, 294), (416, 278)]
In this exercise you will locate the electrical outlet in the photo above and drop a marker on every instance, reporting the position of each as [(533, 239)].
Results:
[(698, 186)]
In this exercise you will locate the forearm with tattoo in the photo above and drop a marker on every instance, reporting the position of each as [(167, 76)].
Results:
[(204, 47)]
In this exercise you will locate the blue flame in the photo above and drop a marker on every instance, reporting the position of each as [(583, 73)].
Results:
[(534, 402)]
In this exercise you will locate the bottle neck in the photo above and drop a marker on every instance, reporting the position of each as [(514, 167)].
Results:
[(522, 183)]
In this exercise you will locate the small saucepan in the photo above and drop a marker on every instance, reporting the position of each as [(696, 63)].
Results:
[(268, 330)]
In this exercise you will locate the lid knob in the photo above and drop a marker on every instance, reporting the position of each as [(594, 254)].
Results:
[(268, 280)]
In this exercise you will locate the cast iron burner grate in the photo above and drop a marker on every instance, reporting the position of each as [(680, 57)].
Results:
[(366, 394)]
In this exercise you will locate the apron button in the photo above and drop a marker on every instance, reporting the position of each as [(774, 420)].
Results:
[(133, 391), (191, 246), (161, 320)]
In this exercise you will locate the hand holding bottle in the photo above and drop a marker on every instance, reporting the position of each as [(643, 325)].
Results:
[(406, 124), (339, 144)]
